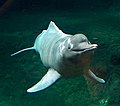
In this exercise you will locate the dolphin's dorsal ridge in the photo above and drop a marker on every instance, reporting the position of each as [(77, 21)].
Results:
[(53, 28)]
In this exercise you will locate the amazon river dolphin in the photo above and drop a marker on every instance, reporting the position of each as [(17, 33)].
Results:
[(63, 55)]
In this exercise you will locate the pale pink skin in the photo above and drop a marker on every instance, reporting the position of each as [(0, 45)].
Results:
[(63, 55)]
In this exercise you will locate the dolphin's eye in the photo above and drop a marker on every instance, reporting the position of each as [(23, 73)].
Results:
[(69, 47)]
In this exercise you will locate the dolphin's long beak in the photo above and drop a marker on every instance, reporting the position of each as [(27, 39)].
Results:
[(94, 46), (87, 48), (91, 47)]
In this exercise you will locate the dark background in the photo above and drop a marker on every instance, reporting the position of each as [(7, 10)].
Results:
[(63, 4)]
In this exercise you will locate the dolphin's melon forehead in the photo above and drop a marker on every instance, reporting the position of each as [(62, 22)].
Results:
[(81, 37)]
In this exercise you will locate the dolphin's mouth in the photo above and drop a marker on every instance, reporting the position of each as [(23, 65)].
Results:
[(92, 47)]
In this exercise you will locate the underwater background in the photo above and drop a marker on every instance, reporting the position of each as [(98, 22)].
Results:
[(20, 23)]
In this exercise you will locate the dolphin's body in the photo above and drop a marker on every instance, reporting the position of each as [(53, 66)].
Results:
[(63, 54)]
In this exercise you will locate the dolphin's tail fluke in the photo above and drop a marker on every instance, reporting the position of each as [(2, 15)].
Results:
[(26, 49)]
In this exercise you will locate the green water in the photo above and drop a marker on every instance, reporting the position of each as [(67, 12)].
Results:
[(18, 29)]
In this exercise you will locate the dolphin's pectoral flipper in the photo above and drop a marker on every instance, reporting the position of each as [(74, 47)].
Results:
[(49, 78), (95, 77)]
